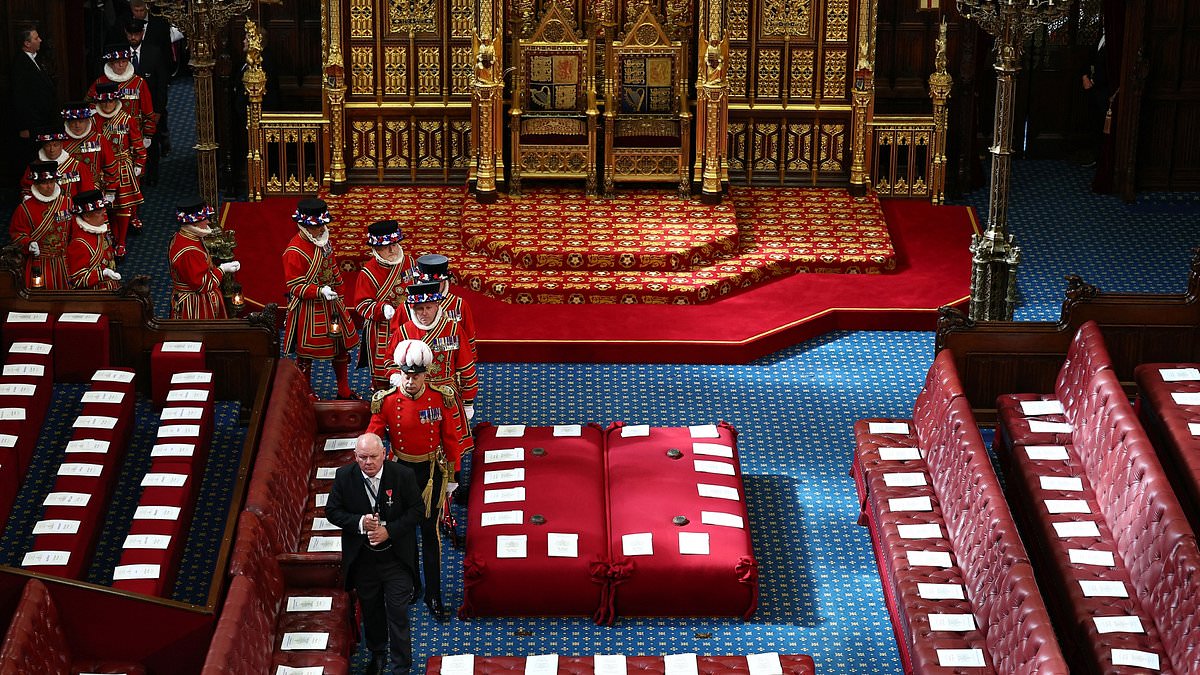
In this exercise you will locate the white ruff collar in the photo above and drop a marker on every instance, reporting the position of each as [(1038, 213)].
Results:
[(320, 241), (46, 200), (90, 229), (112, 74), (387, 263), (436, 318), (80, 136), (111, 114), (196, 231)]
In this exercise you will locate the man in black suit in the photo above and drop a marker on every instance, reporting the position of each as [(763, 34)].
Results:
[(148, 61), (34, 99), (376, 504)]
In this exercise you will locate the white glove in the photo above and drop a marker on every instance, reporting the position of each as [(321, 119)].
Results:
[(110, 274), (388, 311), (36, 250), (137, 171), (328, 293), (110, 197), (470, 411), (396, 380), (231, 266), (451, 487), (146, 141)]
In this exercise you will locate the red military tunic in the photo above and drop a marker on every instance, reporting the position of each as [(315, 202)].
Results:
[(94, 153), (135, 96), (453, 359), (87, 255), (456, 309), (307, 326), (48, 222), (419, 428), (124, 133), (195, 281), (73, 177), (377, 285)]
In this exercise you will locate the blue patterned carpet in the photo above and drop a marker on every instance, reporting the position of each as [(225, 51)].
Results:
[(794, 410)]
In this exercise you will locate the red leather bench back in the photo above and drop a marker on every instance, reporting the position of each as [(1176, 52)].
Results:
[(252, 557), (243, 642), (35, 642), (1086, 356)]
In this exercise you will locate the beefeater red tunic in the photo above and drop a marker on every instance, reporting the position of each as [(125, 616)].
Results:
[(135, 97), (49, 224), (453, 361), (87, 255), (377, 285), (307, 326), (94, 153), (73, 177), (195, 280), (124, 133)]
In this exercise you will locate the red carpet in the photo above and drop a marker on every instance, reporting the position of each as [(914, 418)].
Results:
[(932, 268)]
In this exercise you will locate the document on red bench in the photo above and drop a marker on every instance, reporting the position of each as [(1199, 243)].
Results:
[(159, 542), (181, 346), (80, 469), (458, 664), (1194, 428), (8, 441), (562, 545), (921, 531), (1046, 452), (338, 444), (100, 396), (541, 664), (1179, 374), (680, 664), (87, 445), (321, 498), (704, 431), (194, 377), (501, 518), (568, 430), (510, 431), (324, 544), (961, 658), (94, 422), (1186, 397), (929, 559), (300, 670), (764, 664), (635, 430), (1103, 589), (299, 641), (24, 370), (28, 317), (1035, 408), (1077, 528), (1044, 427), (145, 571), (504, 455), (1136, 658), (887, 427), (709, 466), (18, 390), (30, 348), (309, 603), (516, 494), (504, 476), (56, 526), (1064, 483), (164, 480), (941, 591), (173, 450), (958, 623), (718, 492), (693, 543), (326, 472), (1056, 506), (169, 414), (722, 519), (512, 546), (712, 450), (909, 479), (609, 664), (638, 543), (12, 414), (1118, 624), (152, 512), (46, 558), (78, 317), (899, 504), (1082, 556), (899, 454), (67, 499), (188, 395), (107, 375)]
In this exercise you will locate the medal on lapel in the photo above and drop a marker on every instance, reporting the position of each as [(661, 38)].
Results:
[(389, 498)]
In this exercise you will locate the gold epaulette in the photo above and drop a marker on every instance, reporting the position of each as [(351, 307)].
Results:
[(377, 399), (446, 392)]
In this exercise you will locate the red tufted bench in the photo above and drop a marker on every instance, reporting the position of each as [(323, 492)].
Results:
[(1170, 411), (792, 664), (36, 643), (956, 577), (1116, 554)]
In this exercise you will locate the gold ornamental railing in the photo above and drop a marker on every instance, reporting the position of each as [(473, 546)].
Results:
[(294, 155), (902, 157)]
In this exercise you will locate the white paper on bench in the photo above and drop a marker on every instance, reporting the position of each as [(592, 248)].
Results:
[(194, 377), (941, 591), (181, 414), (322, 498), (1179, 374), (30, 348), (1073, 528), (923, 531), (28, 317), (1118, 624), (565, 430), (8, 441), (95, 422), (897, 504), (703, 431), (12, 414), (961, 658), (1186, 397), (173, 450), (1194, 427), (1044, 427), (46, 558), (504, 476), (680, 664), (693, 543), (1082, 556), (609, 664), (541, 664), (516, 494), (102, 397), (899, 454), (335, 444), (1046, 452), (158, 542), (1065, 483), (908, 479), (510, 431), (929, 559), (635, 430), (638, 543), (67, 499), (144, 571), (952, 622), (179, 431), (562, 545), (326, 472), (709, 466), (18, 389), (164, 480), (324, 544), (712, 450), (505, 455), (722, 519), (1103, 589), (512, 546), (300, 670), (1136, 658), (887, 427), (501, 518), (297, 641), (156, 513), (718, 491), (1056, 506), (766, 663), (106, 375), (56, 526), (1035, 408), (180, 346), (187, 395), (88, 445), (80, 469), (25, 370), (323, 525), (309, 603), (458, 664), (78, 317)]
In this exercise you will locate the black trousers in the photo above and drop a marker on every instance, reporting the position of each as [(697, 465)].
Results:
[(431, 548), (384, 586)]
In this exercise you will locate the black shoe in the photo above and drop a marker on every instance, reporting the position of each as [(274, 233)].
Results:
[(416, 595), (378, 665), (437, 610), (164, 148)]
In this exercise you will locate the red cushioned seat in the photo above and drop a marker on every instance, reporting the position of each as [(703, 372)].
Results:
[(1174, 427), (28, 327), (169, 358), (75, 330)]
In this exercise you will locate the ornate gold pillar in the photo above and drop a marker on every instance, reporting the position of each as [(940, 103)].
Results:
[(487, 110), (335, 93), (712, 102), (862, 96), (254, 80), (940, 84)]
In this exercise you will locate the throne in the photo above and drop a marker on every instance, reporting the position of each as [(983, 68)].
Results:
[(647, 122), (553, 113)]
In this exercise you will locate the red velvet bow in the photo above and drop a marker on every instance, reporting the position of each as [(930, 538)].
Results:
[(473, 569), (747, 573), (609, 575)]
